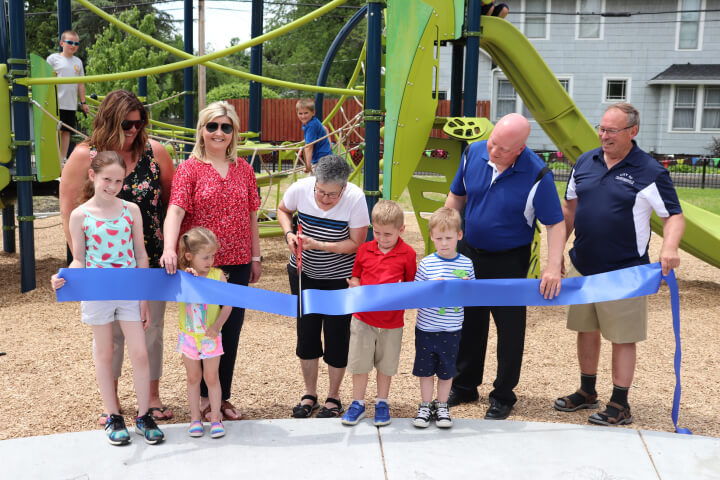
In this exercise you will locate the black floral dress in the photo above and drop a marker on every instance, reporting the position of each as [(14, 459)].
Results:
[(143, 188)]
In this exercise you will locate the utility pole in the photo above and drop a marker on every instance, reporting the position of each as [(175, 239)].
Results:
[(202, 87)]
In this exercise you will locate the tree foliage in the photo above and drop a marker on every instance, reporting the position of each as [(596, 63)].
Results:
[(227, 91), (298, 56)]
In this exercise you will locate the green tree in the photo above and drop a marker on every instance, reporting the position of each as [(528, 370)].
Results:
[(298, 55)]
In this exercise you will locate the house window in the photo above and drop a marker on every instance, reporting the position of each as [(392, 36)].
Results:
[(696, 105), (690, 18), (536, 18), (616, 90), (589, 20), (505, 99)]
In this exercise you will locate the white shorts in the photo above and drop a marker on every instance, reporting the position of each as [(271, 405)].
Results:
[(103, 312)]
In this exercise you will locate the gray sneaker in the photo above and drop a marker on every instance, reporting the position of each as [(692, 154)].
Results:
[(442, 415), (424, 415)]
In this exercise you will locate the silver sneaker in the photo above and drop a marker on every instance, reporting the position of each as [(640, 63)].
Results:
[(424, 415)]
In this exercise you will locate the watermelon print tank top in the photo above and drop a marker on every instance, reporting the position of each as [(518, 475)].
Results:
[(108, 241)]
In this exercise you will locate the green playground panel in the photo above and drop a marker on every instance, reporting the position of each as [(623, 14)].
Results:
[(47, 155), (6, 154)]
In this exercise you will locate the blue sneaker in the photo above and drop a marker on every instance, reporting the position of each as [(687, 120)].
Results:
[(382, 414), (354, 414), (147, 427), (116, 431)]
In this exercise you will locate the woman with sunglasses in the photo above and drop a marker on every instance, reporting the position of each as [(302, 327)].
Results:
[(120, 126), (334, 218), (216, 190)]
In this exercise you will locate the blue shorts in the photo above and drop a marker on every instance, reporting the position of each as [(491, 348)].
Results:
[(436, 354)]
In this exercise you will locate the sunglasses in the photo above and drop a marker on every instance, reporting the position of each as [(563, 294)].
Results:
[(128, 124), (70, 42), (225, 127)]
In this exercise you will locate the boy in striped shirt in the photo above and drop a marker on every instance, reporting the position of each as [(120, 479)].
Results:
[(437, 331)]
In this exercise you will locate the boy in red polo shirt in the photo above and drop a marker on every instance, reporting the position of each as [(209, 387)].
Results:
[(376, 337)]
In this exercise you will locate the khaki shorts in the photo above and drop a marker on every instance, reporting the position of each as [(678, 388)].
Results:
[(373, 346), (619, 321)]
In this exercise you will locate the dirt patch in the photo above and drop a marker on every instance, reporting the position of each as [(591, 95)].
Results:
[(48, 383)]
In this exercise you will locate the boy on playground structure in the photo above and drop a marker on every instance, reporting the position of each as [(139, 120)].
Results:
[(66, 64), (376, 337), (437, 331), (313, 131)]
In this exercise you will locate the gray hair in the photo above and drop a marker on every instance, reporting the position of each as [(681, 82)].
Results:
[(332, 169), (633, 116)]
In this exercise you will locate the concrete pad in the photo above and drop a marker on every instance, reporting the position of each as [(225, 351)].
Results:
[(680, 457), (261, 448), (517, 450)]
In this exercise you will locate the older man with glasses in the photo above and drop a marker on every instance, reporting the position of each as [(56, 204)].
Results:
[(333, 217), (610, 196)]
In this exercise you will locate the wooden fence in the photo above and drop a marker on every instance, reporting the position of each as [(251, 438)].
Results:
[(280, 123)]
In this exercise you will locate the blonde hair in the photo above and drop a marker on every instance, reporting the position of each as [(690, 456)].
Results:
[(387, 212), (97, 164), (307, 103), (69, 32), (445, 218), (107, 130), (192, 241), (207, 115)]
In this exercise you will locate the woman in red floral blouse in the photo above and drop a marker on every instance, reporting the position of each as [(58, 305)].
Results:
[(216, 190)]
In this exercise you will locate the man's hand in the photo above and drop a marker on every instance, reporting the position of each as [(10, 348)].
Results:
[(669, 259), (550, 282)]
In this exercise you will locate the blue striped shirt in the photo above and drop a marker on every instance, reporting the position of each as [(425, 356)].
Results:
[(435, 267)]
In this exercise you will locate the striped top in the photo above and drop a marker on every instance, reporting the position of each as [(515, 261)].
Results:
[(435, 267), (326, 226)]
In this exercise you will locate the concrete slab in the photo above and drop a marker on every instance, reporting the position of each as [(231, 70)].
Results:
[(518, 450), (680, 457), (274, 449)]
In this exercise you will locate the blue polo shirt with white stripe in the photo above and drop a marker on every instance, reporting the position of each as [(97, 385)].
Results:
[(501, 209), (612, 217)]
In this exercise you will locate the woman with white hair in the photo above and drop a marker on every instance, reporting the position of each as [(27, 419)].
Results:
[(216, 190)]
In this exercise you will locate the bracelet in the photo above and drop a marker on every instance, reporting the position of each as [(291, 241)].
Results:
[(286, 234), (257, 259)]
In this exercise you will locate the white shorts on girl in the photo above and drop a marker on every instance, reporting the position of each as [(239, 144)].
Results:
[(102, 312)]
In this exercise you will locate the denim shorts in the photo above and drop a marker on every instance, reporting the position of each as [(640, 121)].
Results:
[(436, 354)]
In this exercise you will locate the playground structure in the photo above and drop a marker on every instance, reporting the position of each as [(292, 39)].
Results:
[(413, 34)]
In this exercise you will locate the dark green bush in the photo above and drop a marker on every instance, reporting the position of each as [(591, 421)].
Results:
[(235, 90)]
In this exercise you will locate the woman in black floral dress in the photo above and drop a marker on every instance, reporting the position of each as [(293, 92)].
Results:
[(120, 126)]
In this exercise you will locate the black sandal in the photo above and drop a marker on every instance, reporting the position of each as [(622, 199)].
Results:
[(305, 411), (333, 412)]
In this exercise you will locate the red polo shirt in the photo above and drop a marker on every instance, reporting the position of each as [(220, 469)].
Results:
[(374, 267)]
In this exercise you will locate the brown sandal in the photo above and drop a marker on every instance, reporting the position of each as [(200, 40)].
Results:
[(614, 414), (567, 404), (226, 405)]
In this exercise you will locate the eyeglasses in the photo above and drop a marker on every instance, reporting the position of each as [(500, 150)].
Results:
[(225, 127), (331, 195), (611, 131), (70, 42), (128, 124)]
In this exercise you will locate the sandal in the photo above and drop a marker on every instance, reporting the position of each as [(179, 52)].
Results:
[(332, 412), (303, 410), (614, 414), (225, 406), (165, 413), (585, 400)]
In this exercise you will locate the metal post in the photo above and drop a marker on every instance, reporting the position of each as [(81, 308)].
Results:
[(373, 115), (21, 121), (189, 120), (64, 14), (255, 110), (456, 79), (472, 57), (8, 225), (704, 165), (142, 89)]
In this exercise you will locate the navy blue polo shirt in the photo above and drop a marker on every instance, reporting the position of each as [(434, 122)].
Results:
[(612, 218), (500, 214), (313, 130)]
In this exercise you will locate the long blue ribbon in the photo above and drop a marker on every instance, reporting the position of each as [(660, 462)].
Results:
[(155, 284)]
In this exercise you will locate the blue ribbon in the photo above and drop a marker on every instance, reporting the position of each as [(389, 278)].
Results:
[(155, 284)]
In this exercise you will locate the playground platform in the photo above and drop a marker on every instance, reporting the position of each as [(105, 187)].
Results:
[(325, 449)]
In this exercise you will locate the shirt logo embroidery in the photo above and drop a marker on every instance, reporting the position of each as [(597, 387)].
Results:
[(625, 177)]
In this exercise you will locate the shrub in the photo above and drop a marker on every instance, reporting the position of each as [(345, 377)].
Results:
[(714, 147), (681, 168), (236, 90), (558, 166)]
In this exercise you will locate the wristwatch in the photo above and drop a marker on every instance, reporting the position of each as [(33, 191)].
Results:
[(257, 259)]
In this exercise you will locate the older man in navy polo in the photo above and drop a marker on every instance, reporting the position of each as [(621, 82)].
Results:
[(504, 187), (610, 196)]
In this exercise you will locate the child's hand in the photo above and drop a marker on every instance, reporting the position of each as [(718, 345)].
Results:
[(213, 331), (353, 282), (57, 282), (145, 314), (191, 271)]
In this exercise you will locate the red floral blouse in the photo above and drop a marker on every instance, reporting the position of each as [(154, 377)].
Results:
[(222, 205)]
